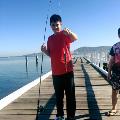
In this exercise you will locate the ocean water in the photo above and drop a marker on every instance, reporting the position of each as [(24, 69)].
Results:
[(15, 73)]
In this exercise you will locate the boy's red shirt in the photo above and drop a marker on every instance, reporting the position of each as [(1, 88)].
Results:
[(59, 44)]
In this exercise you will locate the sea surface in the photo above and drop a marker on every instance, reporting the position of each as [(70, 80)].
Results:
[(15, 73)]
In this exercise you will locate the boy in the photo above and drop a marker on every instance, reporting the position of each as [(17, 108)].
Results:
[(57, 48), (114, 67)]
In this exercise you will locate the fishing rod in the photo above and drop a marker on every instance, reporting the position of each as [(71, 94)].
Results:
[(40, 108)]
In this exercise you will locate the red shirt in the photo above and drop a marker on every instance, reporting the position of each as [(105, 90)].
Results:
[(58, 45)]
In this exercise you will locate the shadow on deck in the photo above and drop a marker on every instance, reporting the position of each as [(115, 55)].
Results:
[(45, 112)]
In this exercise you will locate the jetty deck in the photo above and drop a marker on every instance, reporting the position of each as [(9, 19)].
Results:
[(93, 98)]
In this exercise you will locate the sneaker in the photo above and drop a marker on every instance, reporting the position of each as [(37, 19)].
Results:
[(60, 118)]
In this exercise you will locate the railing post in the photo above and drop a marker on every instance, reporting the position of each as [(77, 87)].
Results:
[(36, 59)]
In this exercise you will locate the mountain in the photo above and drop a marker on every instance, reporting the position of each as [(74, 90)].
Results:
[(86, 50), (81, 51), (33, 54)]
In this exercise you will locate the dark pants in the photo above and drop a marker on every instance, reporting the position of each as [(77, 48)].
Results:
[(61, 83)]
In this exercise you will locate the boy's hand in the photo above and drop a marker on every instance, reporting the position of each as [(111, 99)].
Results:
[(69, 33), (43, 48), (66, 31)]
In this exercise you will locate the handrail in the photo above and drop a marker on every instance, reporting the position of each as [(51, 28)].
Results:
[(97, 67)]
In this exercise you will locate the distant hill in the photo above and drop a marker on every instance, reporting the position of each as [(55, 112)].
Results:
[(80, 51), (86, 50), (33, 54)]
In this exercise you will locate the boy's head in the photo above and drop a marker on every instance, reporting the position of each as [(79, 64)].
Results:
[(119, 32), (56, 23)]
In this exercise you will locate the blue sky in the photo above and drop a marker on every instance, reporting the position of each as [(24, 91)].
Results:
[(22, 23)]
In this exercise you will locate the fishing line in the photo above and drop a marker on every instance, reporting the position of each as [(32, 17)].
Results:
[(59, 6), (40, 108)]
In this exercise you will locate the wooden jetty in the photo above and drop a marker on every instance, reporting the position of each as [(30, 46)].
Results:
[(93, 98)]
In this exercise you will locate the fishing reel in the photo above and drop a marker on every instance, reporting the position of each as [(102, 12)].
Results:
[(41, 109)]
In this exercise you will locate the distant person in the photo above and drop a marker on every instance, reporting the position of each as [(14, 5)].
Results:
[(114, 75), (58, 48)]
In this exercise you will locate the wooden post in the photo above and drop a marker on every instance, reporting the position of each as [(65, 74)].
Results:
[(36, 59), (26, 60)]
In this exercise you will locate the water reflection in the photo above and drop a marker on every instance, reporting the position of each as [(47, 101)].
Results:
[(15, 72)]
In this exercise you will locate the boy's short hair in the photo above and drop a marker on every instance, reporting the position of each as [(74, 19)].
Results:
[(55, 18), (118, 30)]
